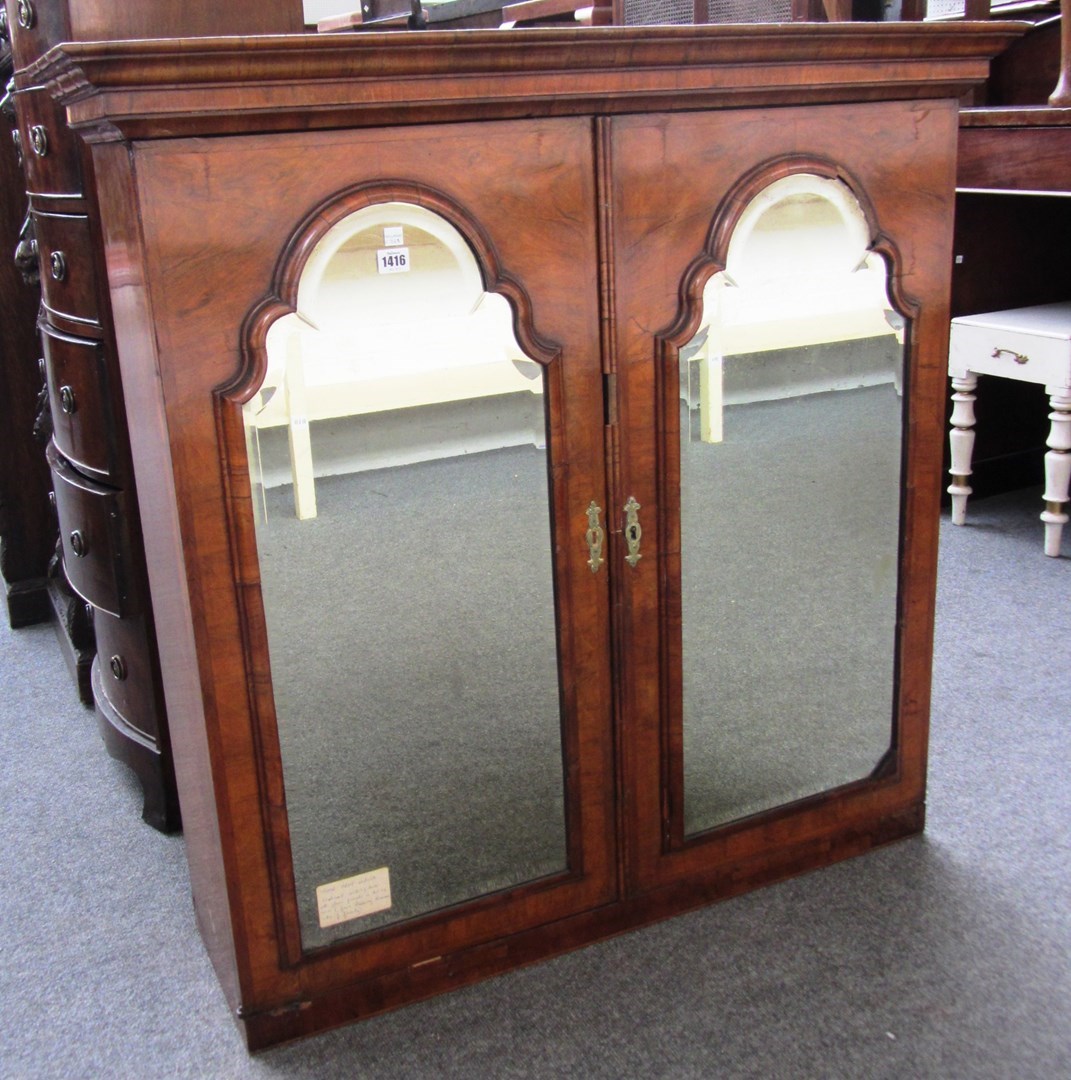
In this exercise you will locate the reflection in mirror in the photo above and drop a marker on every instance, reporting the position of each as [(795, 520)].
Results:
[(397, 449), (791, 422)]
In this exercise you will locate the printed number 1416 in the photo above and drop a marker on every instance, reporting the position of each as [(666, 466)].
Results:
[(393, 260)]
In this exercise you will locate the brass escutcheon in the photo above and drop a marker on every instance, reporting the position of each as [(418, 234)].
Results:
[(594, 536), (633, 531)]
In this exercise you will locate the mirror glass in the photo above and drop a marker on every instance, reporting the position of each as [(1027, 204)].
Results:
[(397, 449), (791, 430)]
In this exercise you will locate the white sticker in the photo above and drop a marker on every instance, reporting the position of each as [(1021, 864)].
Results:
[(393, 236), (353, 897), (393, 260)]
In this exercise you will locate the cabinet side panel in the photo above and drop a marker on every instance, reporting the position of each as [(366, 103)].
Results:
[(131, 307)]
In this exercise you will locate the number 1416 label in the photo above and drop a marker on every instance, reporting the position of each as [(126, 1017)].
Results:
[(393, 260)]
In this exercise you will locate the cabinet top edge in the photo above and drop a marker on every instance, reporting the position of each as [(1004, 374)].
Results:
[(636, 45), (136, 88)]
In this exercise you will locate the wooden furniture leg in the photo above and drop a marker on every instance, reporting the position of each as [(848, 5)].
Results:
[(961, 440), (1057, 468)]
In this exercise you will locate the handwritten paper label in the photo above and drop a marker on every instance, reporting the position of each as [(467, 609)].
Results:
[(393, 260), (393, 236), (353, 897)]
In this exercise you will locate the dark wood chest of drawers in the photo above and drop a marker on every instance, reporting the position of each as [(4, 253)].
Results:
[(91, 474)]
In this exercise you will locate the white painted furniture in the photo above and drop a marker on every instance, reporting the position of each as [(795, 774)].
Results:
[(368, 337), (799, 272), (1031, 344)]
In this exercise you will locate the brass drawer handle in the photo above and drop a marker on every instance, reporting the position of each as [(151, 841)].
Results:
[(595, 537), (58, 263), (4, 33), (633, 531), (78, 544), (67, 402), (1018, 357), (26, 15), (39, 140)]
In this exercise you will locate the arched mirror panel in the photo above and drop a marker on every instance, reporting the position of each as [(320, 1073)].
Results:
[(399, 469), (791, 421)]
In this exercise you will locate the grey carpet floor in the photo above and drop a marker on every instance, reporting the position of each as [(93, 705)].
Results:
[(788, 549), (437, 757), (944, 956)]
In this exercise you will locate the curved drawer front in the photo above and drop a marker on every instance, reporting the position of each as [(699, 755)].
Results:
[(34, 26), (51, 152), (93, 532), (83, 424), (67, 279), (125, 676)]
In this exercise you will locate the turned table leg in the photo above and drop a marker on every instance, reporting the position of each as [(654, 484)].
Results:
[(961, 440), (1057, 468)]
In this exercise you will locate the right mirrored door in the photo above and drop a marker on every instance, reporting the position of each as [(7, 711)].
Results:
[(779, 296), (791, 414)]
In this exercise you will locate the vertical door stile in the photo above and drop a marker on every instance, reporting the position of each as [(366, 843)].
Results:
[(604, 217), (640, 298)]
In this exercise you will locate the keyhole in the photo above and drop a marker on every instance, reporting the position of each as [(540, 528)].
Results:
[(632, 530)]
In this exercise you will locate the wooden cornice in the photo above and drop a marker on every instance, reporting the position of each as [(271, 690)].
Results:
[(204, 86)]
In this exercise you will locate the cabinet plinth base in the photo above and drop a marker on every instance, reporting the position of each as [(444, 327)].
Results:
[(359, 1001), (160, 808)]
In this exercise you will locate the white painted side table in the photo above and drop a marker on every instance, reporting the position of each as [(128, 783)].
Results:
[(1031, 344)]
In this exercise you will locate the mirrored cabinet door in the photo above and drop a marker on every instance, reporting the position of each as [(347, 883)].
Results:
[(790, 446), (430, 771), (765, 426), (419, 530)]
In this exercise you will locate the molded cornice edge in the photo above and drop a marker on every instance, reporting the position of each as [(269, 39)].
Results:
[(169, 88)]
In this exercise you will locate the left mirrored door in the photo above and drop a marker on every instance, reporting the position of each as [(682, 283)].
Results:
[(423, 432), (404, 533)]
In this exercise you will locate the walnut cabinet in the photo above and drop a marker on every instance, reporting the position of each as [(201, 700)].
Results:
[(490, 696)]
